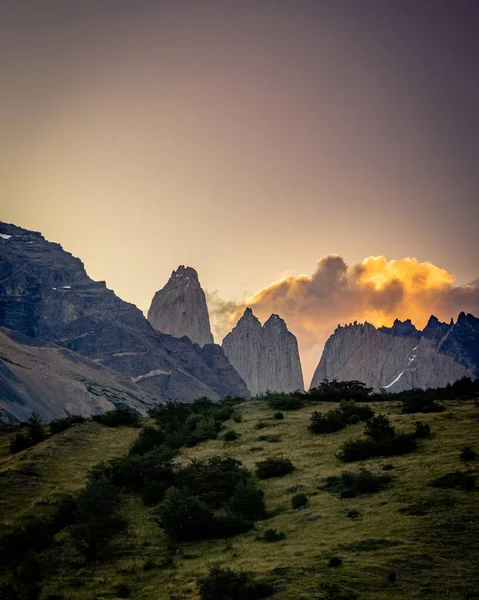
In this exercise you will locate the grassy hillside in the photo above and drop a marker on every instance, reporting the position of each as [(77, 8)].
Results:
[(406, 542)]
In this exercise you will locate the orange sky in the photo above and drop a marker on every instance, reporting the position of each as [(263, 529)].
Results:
[(244, 139)]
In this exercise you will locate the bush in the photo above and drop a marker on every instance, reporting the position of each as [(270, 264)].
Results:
[(237, 418), (273, 467), (59, 425), (96, 518), (351, 409), (422, 430), (285, 401), (247, 501), (230, 436), (400, 444), (350, 485), (148, 439), (335, 562), (379, 428), (278, 415), (260, 425), (467, 454), (19, 442), (335, 391), (271, 535), (272, 438), (456, 480), (185, 517), (35, 433), (420, 401), (122, 590), (299, 500), (117, 418), (328, 422), (213, 480), (225, 584)]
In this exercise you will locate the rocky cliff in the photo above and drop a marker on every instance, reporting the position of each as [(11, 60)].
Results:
[(402, 357), (267, 356), (55, 382), (180, 308), (46, 293)]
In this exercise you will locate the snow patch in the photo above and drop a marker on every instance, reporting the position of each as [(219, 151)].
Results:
[(395, 381), (66, 287), (5, 236), (151, 374), (125, 354)]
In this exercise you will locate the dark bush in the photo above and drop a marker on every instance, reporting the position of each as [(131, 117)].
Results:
[(260, 425), (350, 485), (273, 467), (328, 422), (299, 500), (213, 480), (225, 584), (272, 438), (237, 418), (353, 514), (185, 517), (247, 501), (117, 418), (335, 562), (231, 436), (33, 536), (351, 409), (96, 518), (271, 535), (19, 442), (354, 420), (422, 430), (35, 433), (421, 401), (335, 391), (59, 425), (354, 450), (283, 401), (278, 415), (468, 454), (392, 577), (148, 439), (456, 480), (379, 428), (122, 590)]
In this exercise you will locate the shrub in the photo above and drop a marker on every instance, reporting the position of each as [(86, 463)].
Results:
[(420, 401), (328, 422), (185, 517), (283, 401), (467, 454), (335, 391), (278, 415), (379, 428), (271, 535), (35, 433), (237, 418), (230, 436), (122, 590), (59, 425), (354, 450), (20, 442), (335, 562), (247, 501), (422, 430), (222, 584), (213, 480), (353, 514), (299, 500), (350, 485), (117, 418), (148, 439), (260, 425), (272, 438), (351, 409), (456, 480), (96, 518), (273, 467)]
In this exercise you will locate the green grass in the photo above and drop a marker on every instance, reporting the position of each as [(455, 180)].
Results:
[(421, 549)]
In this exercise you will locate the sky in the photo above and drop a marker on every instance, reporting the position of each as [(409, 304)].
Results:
[(251, 140)]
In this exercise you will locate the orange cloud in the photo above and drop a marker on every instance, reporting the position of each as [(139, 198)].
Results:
[(375, 290)]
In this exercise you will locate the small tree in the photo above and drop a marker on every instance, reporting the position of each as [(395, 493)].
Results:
[(273, 467), (35, 428), (185, 517), (248, 501), (379, 428)]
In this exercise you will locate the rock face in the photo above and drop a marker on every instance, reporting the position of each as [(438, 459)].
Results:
[(36, 376), (46, 293), (401, 357), (267, 356), (180, 308)]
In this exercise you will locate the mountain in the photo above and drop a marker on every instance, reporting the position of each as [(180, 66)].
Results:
[(401, 357), (55, 382), (46, 293), (267, 356), (180, 308)]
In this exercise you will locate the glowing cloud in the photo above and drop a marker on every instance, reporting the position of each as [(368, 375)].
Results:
[(375, 290)]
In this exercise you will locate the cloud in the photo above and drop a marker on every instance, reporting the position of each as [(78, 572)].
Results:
[(375, 290)]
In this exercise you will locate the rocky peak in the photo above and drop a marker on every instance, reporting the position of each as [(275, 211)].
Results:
[(404, 328), (179, 308), (267, 356)]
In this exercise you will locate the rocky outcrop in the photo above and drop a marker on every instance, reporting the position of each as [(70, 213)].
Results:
[(54, 382), (401, 357), (267, 356), (180, 308), (46, 293)]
